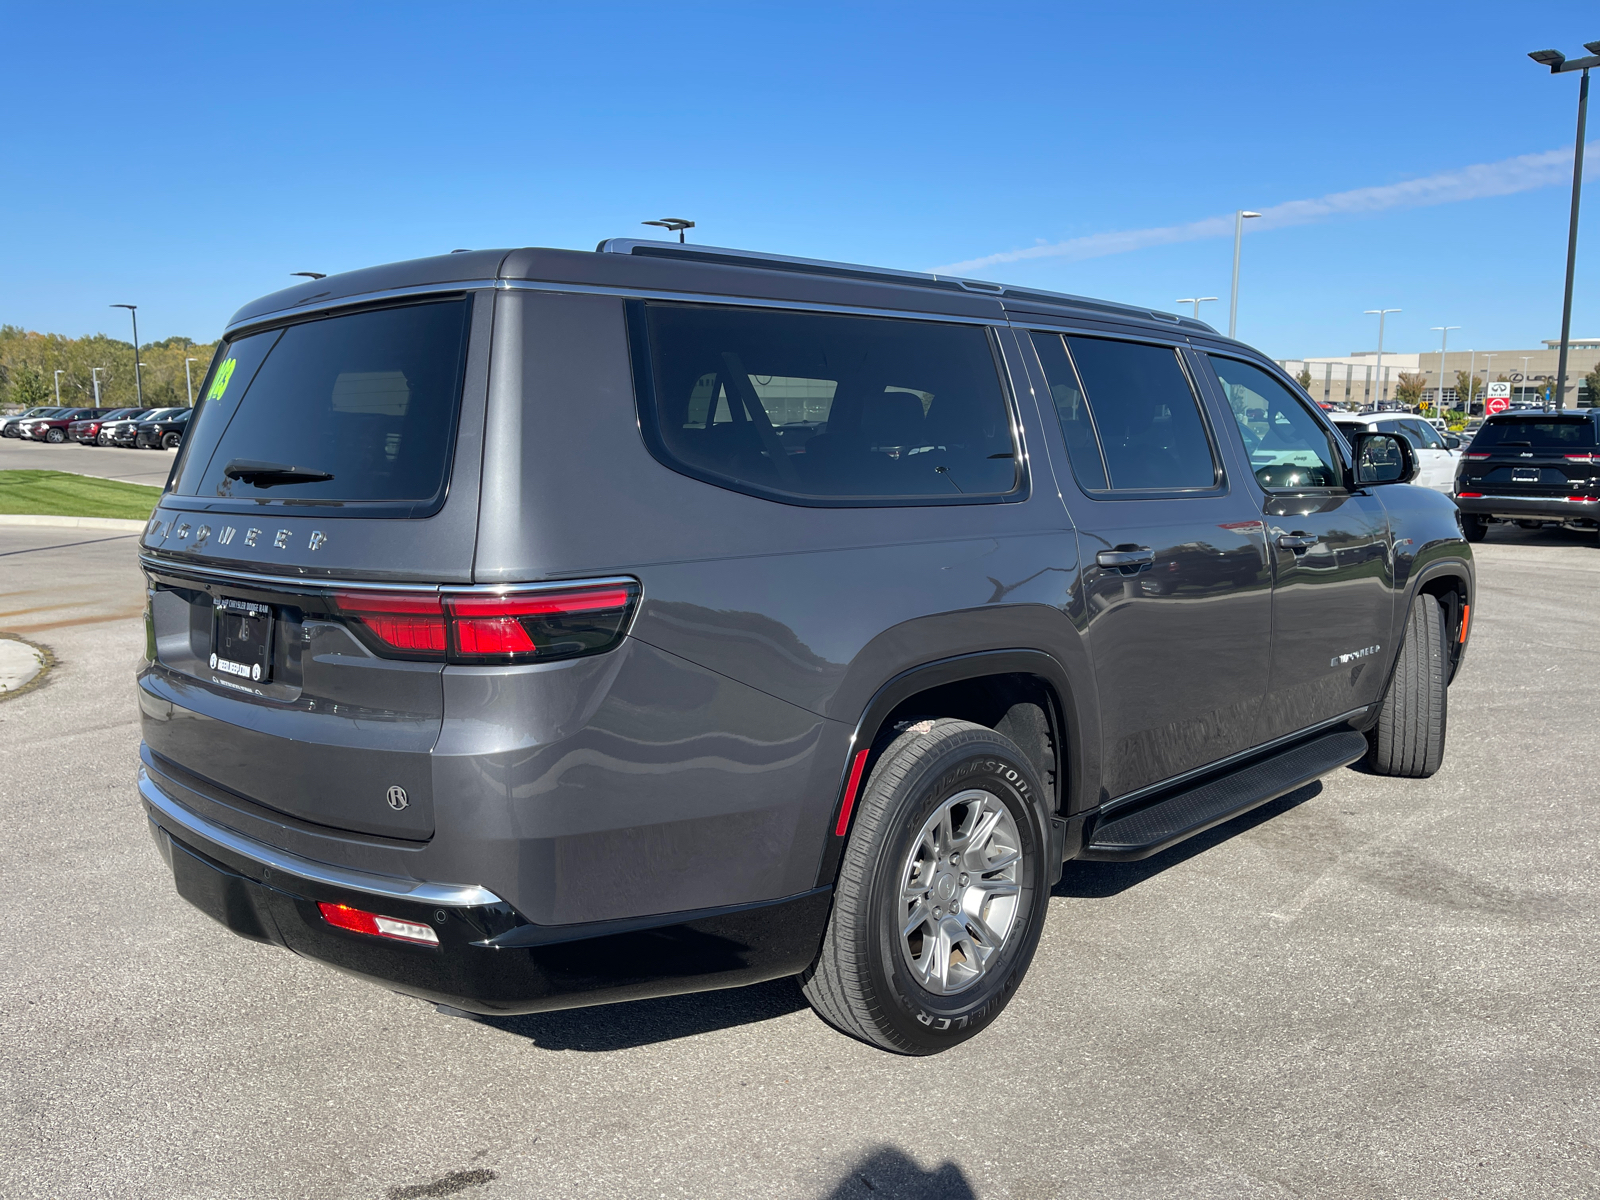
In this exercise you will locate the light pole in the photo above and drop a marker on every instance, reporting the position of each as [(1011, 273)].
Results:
[(94, 375), (1444, 338), (1239, 218), (138, 382), (59, 374), (1472, 374), (1524, 388), (1488, 370), (1557, 62), (1380, 313), (672, 225), (188, 382), (1197, 301)]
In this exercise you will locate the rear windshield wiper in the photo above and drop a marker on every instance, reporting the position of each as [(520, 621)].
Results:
[(268, 474)]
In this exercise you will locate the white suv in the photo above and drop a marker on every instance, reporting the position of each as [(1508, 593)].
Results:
[(1437, 462)]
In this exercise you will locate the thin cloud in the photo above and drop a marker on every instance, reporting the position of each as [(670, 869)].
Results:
[(1524, 173)]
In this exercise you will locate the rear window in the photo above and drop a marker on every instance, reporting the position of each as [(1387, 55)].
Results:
[(355, 409), (1555, 434), (818, 408)]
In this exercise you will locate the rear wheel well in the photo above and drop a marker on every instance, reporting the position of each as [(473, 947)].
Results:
[(1022, 707)]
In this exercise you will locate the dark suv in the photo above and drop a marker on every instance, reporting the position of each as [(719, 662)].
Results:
[(537, 628), (1532, 468)]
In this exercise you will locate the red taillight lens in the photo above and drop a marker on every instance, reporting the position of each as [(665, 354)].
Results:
[(494, 628), (357, 920), (1479, 455), (539, 626), (412, 623), (1469, 495), (1584, 458)]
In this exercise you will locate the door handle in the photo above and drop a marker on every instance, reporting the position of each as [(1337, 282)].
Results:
[(1142, 556), (1297, 541)]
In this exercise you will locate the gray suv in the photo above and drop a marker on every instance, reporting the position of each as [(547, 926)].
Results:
[(536, 628)]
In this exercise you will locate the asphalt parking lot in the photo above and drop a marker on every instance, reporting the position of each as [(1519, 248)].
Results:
[(148, 467), (1372, 988)]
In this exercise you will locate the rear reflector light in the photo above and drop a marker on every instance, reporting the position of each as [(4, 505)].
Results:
[(411, 623), (495, 628), (1466, 616), (356, 920), (1580, 499), (850, 790), (1479, 455), (1469, 495)]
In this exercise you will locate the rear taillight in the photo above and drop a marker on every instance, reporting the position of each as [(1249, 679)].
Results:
[(358, 920), (1583, 458), (1469, 495), (494, 627), (539, 626), (411, 624), (1478, 455)]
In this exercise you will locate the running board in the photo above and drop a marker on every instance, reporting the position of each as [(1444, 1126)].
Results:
[(1167, 822)]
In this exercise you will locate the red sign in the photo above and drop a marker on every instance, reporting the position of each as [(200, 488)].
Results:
[(1496, 404)]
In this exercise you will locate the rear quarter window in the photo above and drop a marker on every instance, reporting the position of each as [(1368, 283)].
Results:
[(358, 409), (823, 408)]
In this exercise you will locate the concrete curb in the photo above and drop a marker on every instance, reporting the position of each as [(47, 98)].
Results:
[(73, 522), (23, 665)]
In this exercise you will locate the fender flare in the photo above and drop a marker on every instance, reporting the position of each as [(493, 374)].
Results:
[(1066, 725)]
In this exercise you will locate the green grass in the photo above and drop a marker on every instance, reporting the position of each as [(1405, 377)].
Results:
[(63, 494)]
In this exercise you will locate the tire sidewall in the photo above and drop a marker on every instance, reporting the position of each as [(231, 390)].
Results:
[(930, 1021)]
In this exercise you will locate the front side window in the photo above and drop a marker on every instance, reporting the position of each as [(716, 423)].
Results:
[(823, 408), (1288, 447), (348, 410), (1151, 433)]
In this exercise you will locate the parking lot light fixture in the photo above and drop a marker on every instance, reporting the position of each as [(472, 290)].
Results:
[(187, 381), (59, 374), (672, 225), (138, 381), (1239, 218), (1559, 64), (94, 375), (1377, 375), (1444, 338), (1197, 301)]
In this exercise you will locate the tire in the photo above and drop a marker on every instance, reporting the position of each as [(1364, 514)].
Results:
[(56, 436), (1408, 739), (1473, 527), (102, 439), (868, 981), (170, 441)]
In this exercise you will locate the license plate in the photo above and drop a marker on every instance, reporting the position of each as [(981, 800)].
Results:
[(1524, 474), (241, 639)]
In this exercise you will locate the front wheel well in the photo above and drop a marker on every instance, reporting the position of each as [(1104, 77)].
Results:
[(1454, 597)]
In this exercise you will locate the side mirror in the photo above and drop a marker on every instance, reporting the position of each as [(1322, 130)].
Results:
[(1383, 458), (1452, 442)]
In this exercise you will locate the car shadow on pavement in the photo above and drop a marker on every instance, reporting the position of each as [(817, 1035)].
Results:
[(1099, 880), (644, 1022), (887, 1172)]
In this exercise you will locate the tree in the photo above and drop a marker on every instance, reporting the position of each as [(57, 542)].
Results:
[(1591, 382), (1304, 378), (1467, 390), (1408, 392), (28, 387)]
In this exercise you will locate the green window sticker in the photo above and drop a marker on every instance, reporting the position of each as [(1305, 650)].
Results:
[(219, 385)]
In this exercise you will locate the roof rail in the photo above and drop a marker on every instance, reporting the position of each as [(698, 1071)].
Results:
[(817, 266)]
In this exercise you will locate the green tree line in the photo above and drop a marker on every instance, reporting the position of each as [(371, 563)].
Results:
[(29, 360)]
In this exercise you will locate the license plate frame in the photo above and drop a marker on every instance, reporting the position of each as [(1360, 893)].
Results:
[(1525, 474), (241, 639)]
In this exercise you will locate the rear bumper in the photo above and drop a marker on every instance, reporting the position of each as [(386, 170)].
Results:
[(489, 959), (1530, 508)]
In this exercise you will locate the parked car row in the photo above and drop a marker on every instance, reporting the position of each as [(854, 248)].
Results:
[(144, 428)]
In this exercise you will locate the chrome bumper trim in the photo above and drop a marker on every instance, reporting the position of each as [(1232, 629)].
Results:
[(1486, 497), (182, 821)]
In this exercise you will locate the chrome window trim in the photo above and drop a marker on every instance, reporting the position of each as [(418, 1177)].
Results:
[(318, 583), (447, 894)]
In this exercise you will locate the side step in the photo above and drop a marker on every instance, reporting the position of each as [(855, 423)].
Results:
[(1167, 822)]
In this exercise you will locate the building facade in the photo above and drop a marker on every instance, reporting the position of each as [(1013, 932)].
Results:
[(1352, 381)]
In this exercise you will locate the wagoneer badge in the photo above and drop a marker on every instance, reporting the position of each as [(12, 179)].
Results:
[(397, 798)]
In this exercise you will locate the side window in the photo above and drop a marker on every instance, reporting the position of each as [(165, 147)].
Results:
[(1288, 447), (1083, 448), (1424, 435), (823, 407), (1152, 435)]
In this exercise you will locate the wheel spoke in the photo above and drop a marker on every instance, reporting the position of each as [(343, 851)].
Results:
[(996, 887), (999, 863), (941, 957), (915, 919), (982, 830)]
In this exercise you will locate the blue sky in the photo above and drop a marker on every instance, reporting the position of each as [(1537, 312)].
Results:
[(188, 158)]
